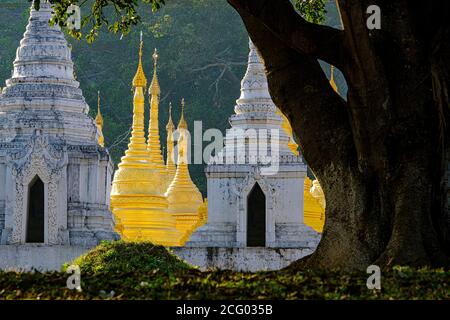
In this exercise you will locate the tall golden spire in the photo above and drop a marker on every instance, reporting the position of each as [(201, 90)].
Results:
[(99, 123), (187, 212), (137, 196), (170, 164), (137, 153), (154, 144)]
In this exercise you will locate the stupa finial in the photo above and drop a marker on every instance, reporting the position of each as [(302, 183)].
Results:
[(170, 127), (139, 79), (182, 124), (154, 86)]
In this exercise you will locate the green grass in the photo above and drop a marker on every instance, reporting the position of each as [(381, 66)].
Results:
[(120, 257), (142, 271)]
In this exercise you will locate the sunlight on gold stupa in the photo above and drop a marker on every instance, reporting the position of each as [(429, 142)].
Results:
[(144, 208)]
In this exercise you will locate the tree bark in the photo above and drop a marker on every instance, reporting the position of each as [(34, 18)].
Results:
[(379, 155)]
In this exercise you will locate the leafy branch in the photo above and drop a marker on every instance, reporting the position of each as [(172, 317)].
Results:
[(124, 14)]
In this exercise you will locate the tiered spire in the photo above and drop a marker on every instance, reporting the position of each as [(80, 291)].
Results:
[(99, 122), (170, 164), (182, 123), (154, 144), (43, 76), (137, 153), (154, 85), (140, 80), (255, 109)]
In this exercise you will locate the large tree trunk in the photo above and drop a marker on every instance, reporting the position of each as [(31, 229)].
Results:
[(380, 155)]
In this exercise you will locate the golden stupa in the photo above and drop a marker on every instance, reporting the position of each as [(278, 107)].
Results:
[(314, 207), (183, 195), (144, 208)]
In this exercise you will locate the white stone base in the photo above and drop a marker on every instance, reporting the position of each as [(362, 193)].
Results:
[(287, 235), (249, 259), (37, 257)]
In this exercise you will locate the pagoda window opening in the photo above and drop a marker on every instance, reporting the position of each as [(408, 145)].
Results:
[(36, 212), (256, 217)]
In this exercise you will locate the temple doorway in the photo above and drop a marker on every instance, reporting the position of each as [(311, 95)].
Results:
[(35, 215), (256, 217)]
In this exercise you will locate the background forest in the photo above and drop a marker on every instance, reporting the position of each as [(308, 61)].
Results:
[(203, 53)]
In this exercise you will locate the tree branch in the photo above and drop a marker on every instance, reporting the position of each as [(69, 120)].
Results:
[(312, 40), (298, 86)]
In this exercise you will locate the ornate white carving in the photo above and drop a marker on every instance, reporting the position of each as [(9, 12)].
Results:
[(37, 158), (43, 123)]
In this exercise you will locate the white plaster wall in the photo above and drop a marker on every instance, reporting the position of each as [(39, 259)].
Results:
[(42, 258), (84, 181), (241, 259), (93, 182), (288, 204), (101, 182), (223, 205), (2, 181)]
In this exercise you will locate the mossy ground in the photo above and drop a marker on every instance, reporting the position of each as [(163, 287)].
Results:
[(143, 271), (119, 257)]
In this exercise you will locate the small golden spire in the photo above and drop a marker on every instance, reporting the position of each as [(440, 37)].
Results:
[(99, 122), (154, 85), (139, 79), (170, 159), (332, 83), (153, 139), (99, 117), (182, 124), (170, 126)]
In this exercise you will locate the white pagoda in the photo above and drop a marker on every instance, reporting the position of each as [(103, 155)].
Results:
[(255, 189), (55, 177)]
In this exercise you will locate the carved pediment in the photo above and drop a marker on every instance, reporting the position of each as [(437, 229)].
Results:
[(38, 157)]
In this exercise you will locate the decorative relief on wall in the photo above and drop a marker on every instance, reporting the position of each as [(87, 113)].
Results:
[(38, 157)]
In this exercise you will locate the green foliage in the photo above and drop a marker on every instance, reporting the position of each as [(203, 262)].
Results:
[(203, 53), (400, 283), (121, 257), (312, 10), (121, 15), (117, 15), (203, 49)]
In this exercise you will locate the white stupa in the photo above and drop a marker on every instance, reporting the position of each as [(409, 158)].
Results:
[(54, 176), (255, 193)]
